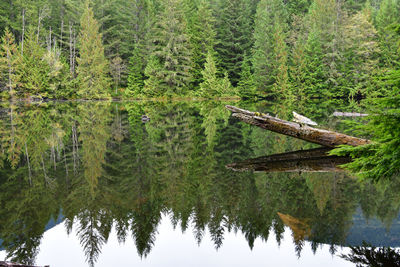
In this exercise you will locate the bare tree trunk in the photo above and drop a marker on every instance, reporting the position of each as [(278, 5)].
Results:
[(70, 48), (9, 73), (29, 164), (294, 129), (23, 32)]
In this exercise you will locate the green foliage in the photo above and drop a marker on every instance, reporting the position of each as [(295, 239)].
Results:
[(8, 61), (380, 159), (171, 47), (211, 84), (33, 72), (202, 37), (153, 83), (246, 86), (135, 79), (234, 28), (269, 51), (93, 67)]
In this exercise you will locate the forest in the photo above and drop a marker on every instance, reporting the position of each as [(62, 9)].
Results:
[(98, 49)]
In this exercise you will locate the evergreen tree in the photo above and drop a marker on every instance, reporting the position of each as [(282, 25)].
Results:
[(362, 54), (93, 67), (281, 86), (270, 23), (211, 85), (386, 18), (153, 83), (8, 60), (225, 86), (326, 20), (135, 78), (246, 87), (202, 38), (33, 72), (172, 48), (234, 35)]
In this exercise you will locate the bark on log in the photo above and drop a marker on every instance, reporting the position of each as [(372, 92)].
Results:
[(313, 160), (294, 129)]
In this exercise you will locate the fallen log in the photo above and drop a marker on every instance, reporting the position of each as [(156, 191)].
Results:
[(313, 160), (297, 130), (348, 114)]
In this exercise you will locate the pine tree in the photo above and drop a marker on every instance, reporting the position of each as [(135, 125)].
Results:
[(171, 46), (202, 38), (135, 78), (234, 35), (388, 16), (281, 87), (33, 72), (153, 84), (8, 60), (225, 86), (211, 84), (246, 87), (362, 53), (326, 20), (270, 23), (93, 66)]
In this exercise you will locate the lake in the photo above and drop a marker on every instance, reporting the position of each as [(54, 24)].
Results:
[(147, 183)]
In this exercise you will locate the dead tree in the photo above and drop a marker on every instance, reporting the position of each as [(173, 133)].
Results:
[(304, 132)]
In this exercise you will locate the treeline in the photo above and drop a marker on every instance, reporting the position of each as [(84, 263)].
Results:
[(157, 48)]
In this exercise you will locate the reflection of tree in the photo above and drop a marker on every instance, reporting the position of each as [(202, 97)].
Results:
[(128, 173), (367, 255), (94, 133), (24, 214)]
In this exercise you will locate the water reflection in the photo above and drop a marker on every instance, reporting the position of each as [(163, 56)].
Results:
[(102, 167)]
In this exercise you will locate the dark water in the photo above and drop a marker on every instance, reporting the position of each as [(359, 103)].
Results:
[(101, 173)]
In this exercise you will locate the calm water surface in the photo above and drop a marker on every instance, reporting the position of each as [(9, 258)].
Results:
[(92, 183)]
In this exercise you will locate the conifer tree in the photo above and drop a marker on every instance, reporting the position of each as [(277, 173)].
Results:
[(211, 84), (153, 84), (93, 66), (362, 53), (234, 35), (388, 16), (225, 86), (326, 20), (135, 78), (270, 22), (246, 87), (171, 46), (281, 87), (8, 60), (33, 72), (202, 38)]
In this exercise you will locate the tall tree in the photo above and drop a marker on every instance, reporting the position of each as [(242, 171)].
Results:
[(8, 60), (93, 67), (211, 84), (234, 28), (33, 71), (171, 46), (270, 52), (202, 36)]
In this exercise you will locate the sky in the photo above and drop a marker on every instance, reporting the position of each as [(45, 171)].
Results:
[(174, 248)]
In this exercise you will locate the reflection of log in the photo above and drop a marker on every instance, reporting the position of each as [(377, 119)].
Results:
[(313, 160), (304, 132), (348, 114)]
